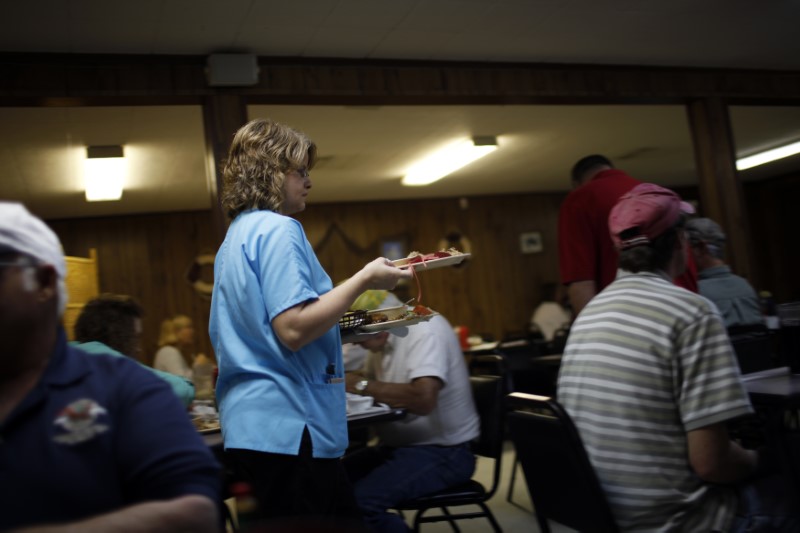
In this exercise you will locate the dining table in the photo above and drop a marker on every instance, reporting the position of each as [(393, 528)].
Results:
[(775, 395), (361, 420), (213, 437), (774, 387)]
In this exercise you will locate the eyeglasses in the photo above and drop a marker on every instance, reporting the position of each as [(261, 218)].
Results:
[(21, 261), (302, 172)]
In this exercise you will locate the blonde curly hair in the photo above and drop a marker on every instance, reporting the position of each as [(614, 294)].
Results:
[(261, 154), (170, 328)]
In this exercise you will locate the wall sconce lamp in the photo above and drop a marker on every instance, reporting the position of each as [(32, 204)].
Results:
[(449, 159), (104, 170)]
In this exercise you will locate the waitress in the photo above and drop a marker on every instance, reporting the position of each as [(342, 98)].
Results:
[(274, 329)]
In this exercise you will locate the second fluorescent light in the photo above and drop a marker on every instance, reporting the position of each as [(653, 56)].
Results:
[(448, 160), (768, 156)]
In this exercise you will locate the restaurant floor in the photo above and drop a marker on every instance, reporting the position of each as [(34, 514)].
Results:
[(513, 517)]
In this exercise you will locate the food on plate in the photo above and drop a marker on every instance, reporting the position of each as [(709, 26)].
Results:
[(353, 319), (417, 257), (421, 310), (417, 310), (202, 423), (377, 318), (400, 313), (436, 259)]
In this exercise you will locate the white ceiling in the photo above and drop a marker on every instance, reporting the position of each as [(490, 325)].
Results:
[(702, 33), (364, 150)]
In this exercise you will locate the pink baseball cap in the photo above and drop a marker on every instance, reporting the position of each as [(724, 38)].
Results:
[(650, 208)]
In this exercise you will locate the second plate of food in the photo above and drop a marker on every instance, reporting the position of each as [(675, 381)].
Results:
[(430, 264), (395, 317)]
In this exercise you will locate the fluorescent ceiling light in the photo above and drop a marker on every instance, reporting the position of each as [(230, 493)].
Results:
[(768, 156), (448, 160), (104, 172)]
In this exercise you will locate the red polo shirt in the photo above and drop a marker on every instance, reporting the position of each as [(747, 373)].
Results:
[(586, 251)]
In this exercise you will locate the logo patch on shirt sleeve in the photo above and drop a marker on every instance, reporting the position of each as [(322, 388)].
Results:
[(78, 422)]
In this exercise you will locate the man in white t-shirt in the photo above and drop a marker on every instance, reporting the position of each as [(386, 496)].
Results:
[(551, 314), (420, 368)]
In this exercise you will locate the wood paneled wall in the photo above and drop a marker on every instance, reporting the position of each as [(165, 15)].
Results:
[(148, 256), (103, 79), (494, 292), (772, 210)]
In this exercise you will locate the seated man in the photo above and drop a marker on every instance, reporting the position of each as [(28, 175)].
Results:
[(733, 296), (551, 314), (111, 324), (89, 443), (650, 379), (420, 368)]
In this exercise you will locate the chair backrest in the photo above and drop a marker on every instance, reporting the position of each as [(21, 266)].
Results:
[(560, 478), (524, 374), (493, 364), (755, 348), (489, 393), (559, 341), (488, 364), (83, 284)]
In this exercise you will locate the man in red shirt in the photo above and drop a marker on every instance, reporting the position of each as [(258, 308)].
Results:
[(587, 257)]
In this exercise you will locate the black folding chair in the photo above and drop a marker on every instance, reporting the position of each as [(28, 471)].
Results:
[(489, 394), (561, 480)]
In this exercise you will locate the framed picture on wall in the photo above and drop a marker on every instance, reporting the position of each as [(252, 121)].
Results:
[(530, 242), (394, 248)]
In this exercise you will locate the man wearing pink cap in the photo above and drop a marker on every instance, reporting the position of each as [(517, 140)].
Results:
[(650, 379)]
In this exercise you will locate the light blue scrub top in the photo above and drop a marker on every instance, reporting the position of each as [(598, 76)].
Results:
[(266, 393)]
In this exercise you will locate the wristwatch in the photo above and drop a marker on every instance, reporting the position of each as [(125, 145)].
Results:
[(361, 386)]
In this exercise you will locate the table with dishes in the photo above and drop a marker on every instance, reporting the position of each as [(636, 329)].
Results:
[(212, 434), (776, 387), (775, 394)]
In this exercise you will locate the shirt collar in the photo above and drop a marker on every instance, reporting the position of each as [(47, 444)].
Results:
[(608, 173), (714, 272), (655, 274), (64, 367)]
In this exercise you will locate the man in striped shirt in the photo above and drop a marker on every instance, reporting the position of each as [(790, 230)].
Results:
[(650, 379)]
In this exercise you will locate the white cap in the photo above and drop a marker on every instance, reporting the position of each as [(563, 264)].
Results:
[(22, 232)]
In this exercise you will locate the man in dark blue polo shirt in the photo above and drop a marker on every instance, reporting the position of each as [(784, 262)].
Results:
[(86, 442)]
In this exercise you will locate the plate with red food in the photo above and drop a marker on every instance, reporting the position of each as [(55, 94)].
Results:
[(439, 259), (395, 317)]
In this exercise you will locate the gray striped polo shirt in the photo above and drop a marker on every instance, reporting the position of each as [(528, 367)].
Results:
[(646, 362)]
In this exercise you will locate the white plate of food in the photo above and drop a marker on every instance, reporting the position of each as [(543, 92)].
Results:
[(352, 320), (422, 262), (408, 317), (388, 313), (206, 424)]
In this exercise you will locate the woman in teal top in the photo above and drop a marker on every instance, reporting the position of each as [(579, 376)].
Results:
[(274, 329), (111, 324)]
